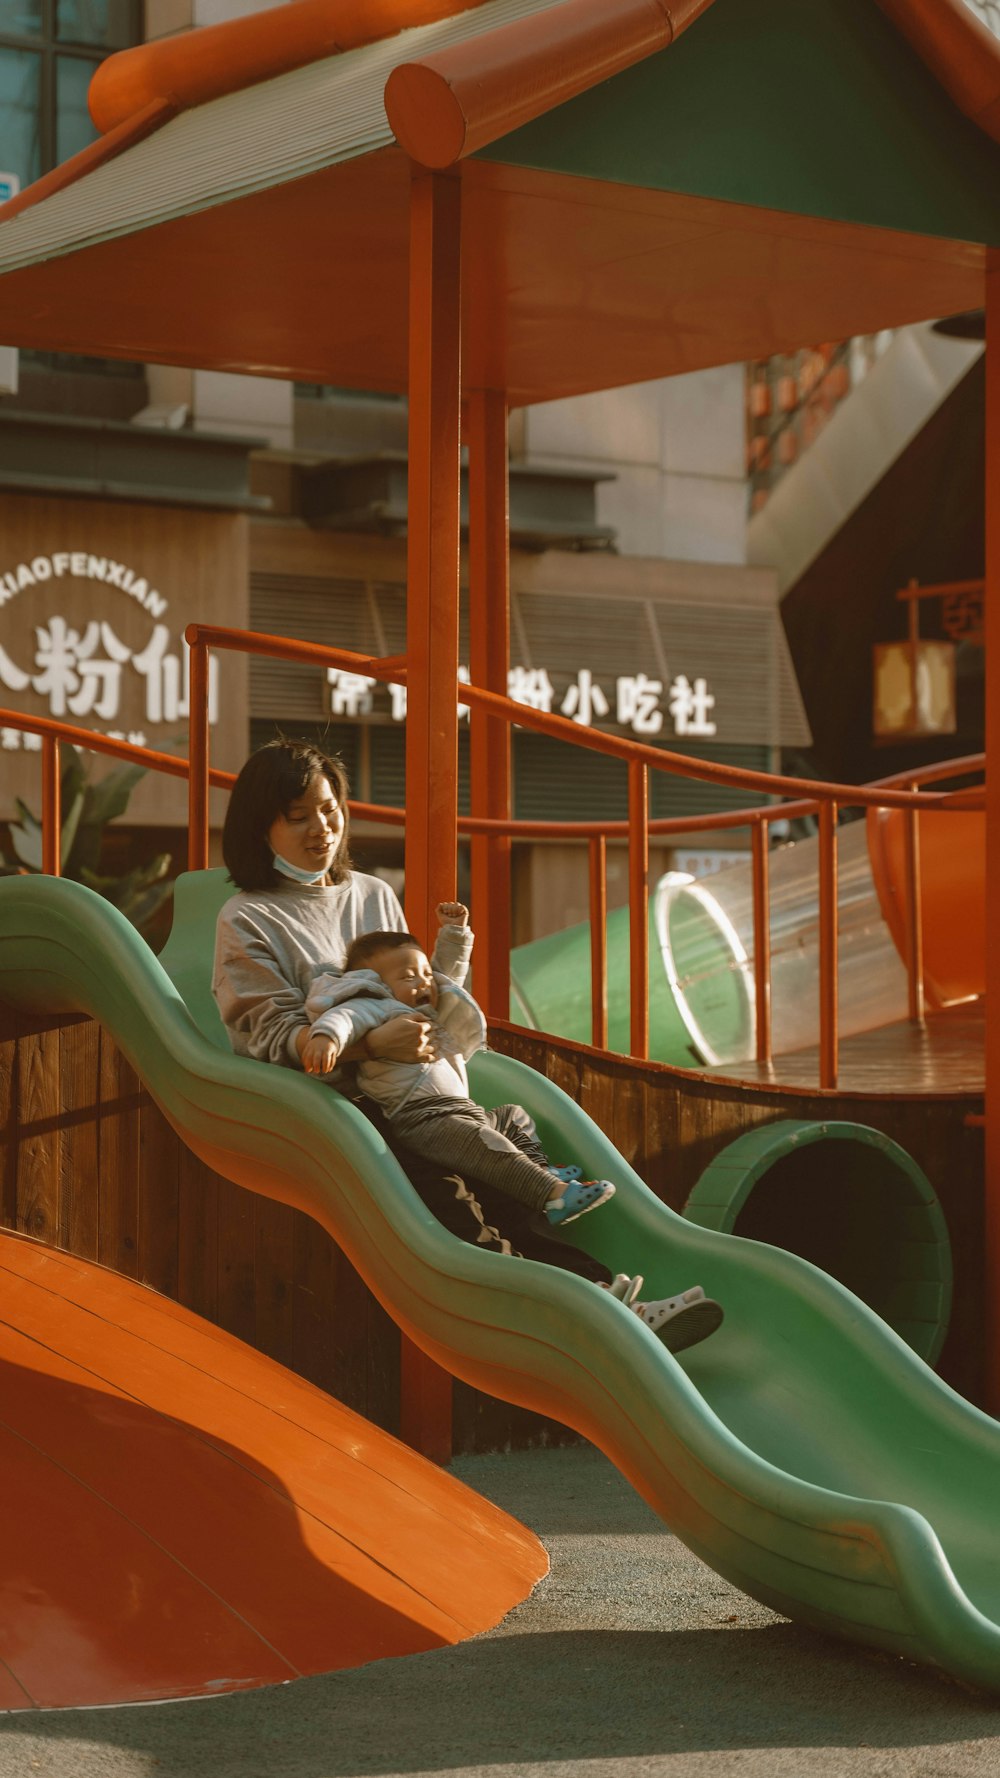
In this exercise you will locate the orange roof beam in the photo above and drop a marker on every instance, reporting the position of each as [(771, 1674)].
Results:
[(450, 104), (194, 66), (447, 105), (960, 50)]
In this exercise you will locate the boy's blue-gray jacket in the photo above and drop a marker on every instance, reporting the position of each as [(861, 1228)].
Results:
[(347, 1007)]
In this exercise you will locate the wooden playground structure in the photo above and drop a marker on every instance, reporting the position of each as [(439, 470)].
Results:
[(534, 216)]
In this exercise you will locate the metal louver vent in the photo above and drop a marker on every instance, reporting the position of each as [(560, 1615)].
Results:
[(388, 767), (731, 646), (670, 794), (334, 613), (564, 634), (739, 649), (559, 783)]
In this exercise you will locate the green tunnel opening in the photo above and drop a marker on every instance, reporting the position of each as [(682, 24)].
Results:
[(853, 1203)]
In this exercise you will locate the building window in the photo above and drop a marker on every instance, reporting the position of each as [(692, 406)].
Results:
[(331, 392), (48, 52)]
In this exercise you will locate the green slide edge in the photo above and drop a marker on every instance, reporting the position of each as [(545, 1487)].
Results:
[(804, 1451)]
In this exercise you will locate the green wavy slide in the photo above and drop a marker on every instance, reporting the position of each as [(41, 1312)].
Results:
[(804, 1451)]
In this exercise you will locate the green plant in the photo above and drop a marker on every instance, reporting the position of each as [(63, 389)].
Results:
[(87, 807)]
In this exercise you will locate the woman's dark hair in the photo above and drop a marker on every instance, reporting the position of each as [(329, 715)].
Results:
[(273, 779)]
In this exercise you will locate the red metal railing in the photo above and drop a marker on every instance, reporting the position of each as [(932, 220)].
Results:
[(53, 732), (820, 800)]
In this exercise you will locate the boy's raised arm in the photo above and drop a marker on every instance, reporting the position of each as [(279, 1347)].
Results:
[(453, 948)]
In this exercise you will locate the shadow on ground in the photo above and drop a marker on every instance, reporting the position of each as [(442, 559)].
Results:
[(630, 1661), (525, 1701)]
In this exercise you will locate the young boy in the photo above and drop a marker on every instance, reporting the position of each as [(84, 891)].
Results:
[(429, 1106), (428, 1103)]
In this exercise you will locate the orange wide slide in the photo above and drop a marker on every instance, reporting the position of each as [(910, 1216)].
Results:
[(191, 1518), (952, 878)]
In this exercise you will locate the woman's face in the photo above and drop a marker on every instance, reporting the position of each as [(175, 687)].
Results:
[(309, 832)]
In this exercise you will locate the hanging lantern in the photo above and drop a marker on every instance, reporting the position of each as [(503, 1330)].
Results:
[(788, 394), (914, 690)]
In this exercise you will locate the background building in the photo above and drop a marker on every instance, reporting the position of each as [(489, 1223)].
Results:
[(655, 532)]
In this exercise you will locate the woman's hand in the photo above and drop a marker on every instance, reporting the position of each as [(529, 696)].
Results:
[(409, 1037)]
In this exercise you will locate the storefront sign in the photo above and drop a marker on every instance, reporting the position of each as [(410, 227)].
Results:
[(636, 701), (94, 601), (79, 671)]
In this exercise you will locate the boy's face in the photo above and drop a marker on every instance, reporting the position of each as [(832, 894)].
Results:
[(408, 974)]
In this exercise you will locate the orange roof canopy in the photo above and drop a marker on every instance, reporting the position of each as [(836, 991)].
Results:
[(579, 273)]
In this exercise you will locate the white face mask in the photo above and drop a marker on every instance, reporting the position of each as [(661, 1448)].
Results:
[(293, 871)]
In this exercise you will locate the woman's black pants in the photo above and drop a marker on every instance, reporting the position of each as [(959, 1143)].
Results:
[(483, 1216)]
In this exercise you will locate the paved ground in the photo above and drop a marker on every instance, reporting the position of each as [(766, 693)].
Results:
[(631, 1660)]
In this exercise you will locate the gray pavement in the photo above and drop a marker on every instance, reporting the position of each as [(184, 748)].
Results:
[(631, 1660)]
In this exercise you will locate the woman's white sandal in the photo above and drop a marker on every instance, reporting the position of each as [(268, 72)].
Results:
[(681, 1321), (626, 1289)]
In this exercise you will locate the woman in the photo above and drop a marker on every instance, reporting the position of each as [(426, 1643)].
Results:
[(299, 904)]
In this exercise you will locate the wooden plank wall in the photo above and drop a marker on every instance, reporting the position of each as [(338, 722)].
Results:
[(91, 1166)]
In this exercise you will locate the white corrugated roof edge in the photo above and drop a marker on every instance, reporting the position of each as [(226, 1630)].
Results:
[(265, 135)]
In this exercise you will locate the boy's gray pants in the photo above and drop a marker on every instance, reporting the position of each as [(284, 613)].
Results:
[(500, 1147)]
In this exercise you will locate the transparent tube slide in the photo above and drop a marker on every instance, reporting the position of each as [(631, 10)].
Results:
[(705, 932)]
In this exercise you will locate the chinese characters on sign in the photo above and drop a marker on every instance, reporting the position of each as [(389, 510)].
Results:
[(636, 701), (85, 670), (80, 672), (963, 615)]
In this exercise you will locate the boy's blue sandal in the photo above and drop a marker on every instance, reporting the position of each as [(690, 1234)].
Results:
[(579, 1196), (566, 1175)]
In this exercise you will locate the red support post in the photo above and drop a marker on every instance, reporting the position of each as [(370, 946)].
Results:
[(489, 658), (992, 625), (829, 1036), (51, 807), (197, 752), (432, 642), (914, 916), (599, 941), (433, 546), (638, 890), (760, 839)]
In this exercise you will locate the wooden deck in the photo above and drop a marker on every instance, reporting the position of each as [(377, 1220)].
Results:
[(944, 1055)]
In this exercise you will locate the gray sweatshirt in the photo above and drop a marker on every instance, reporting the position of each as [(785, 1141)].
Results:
[(270, 944), (347, 1007)]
